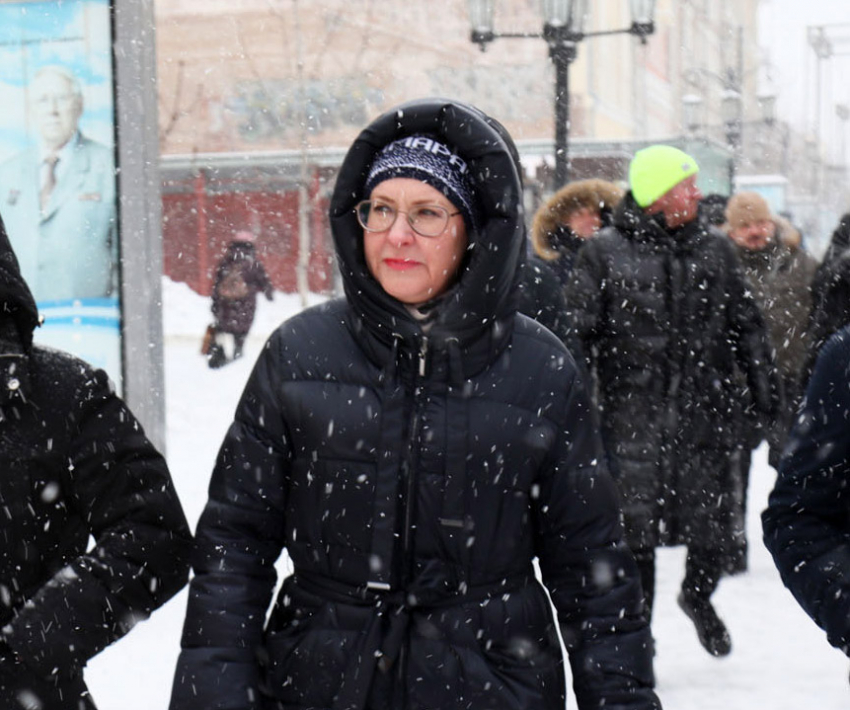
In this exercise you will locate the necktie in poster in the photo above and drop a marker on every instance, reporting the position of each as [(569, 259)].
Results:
[(57, 171)]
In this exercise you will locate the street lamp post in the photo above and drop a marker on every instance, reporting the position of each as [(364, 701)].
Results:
[(731, 112), (731, 109), (563, 29), (562, 51)]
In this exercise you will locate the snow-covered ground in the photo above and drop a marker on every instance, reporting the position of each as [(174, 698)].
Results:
[(780, 660)]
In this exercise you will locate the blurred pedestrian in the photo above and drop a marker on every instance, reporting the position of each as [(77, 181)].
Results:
[(574, 214), (664, 313), (415, 447), (830, 293), (806, 522), (240, 276), (75, 465), (712, 209), (541, 296), (780, 273)]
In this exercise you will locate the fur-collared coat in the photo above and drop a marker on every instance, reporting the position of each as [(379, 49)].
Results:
[(781, 278), (552, 239)]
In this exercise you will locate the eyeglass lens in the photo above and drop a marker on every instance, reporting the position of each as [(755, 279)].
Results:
[(427, 220)]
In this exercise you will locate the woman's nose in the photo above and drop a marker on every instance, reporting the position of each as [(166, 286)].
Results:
[(401, 233)]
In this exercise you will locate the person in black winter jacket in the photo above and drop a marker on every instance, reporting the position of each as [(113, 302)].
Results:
[(239, 277), (830, 293), (779, 272), (807, 519), (75, 464), (574, 214), (541, 297), (413, 447), (663, 312)]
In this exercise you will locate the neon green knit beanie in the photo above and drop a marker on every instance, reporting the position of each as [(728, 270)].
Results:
[(657, 169)]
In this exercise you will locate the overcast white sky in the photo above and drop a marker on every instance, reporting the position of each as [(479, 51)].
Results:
[(783, 26)]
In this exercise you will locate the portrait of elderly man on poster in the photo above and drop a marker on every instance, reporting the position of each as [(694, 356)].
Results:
[(58, 196)]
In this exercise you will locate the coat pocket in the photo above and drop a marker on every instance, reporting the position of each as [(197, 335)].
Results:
[(305, 666), (306, 651)]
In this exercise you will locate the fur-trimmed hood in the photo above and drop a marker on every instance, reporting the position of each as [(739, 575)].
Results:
[(550, 219)]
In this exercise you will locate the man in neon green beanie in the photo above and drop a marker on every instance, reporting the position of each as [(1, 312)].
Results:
[(665, 319), (656, 170)]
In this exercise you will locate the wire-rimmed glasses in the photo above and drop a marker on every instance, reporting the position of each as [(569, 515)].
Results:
[(426, 220)]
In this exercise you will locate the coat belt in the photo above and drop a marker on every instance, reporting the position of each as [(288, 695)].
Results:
[(381, 642)]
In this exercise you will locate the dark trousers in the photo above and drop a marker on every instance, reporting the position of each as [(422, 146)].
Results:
[(646, 567), (702, 573), (703, 569)]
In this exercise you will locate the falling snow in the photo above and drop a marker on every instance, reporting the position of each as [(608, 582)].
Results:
[(780, 660)]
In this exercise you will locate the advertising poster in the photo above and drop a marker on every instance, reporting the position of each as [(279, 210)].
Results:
[(57, 171)]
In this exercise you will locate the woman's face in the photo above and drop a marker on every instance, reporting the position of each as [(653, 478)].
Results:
[(412, 268), (584, 223)]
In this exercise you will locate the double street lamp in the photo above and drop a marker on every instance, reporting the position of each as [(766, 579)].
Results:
[(563, 29), (731, 114)]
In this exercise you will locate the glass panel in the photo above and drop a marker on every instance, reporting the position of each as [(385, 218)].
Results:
[(691, 110), (767, 102), (481, 15), (565, 13), (730, 106), (642, 11), (557, 12)]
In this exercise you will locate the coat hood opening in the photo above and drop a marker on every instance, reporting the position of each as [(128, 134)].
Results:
[(485, 293)]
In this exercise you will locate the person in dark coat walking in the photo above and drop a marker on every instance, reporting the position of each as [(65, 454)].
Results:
[(830, 293), (781, 276), (574, 214), (414, 447), (240, 276), (541, 297), (807, 519), (712, 209), (780, 273), (74, 464), (664, 314)]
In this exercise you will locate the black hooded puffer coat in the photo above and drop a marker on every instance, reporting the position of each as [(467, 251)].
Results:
[(74, 464), (807, 519), (670, 330), (412, 479)]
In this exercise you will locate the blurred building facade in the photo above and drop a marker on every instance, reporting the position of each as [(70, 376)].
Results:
[(258, 100)]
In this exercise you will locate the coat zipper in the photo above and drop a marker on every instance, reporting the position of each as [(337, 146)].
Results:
[(410, 493), (412, 450)]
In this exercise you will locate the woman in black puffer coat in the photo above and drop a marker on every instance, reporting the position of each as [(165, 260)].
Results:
[(413, 457), (74, 464)]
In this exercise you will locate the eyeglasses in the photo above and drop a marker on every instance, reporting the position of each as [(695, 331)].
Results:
[(425, 220)]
